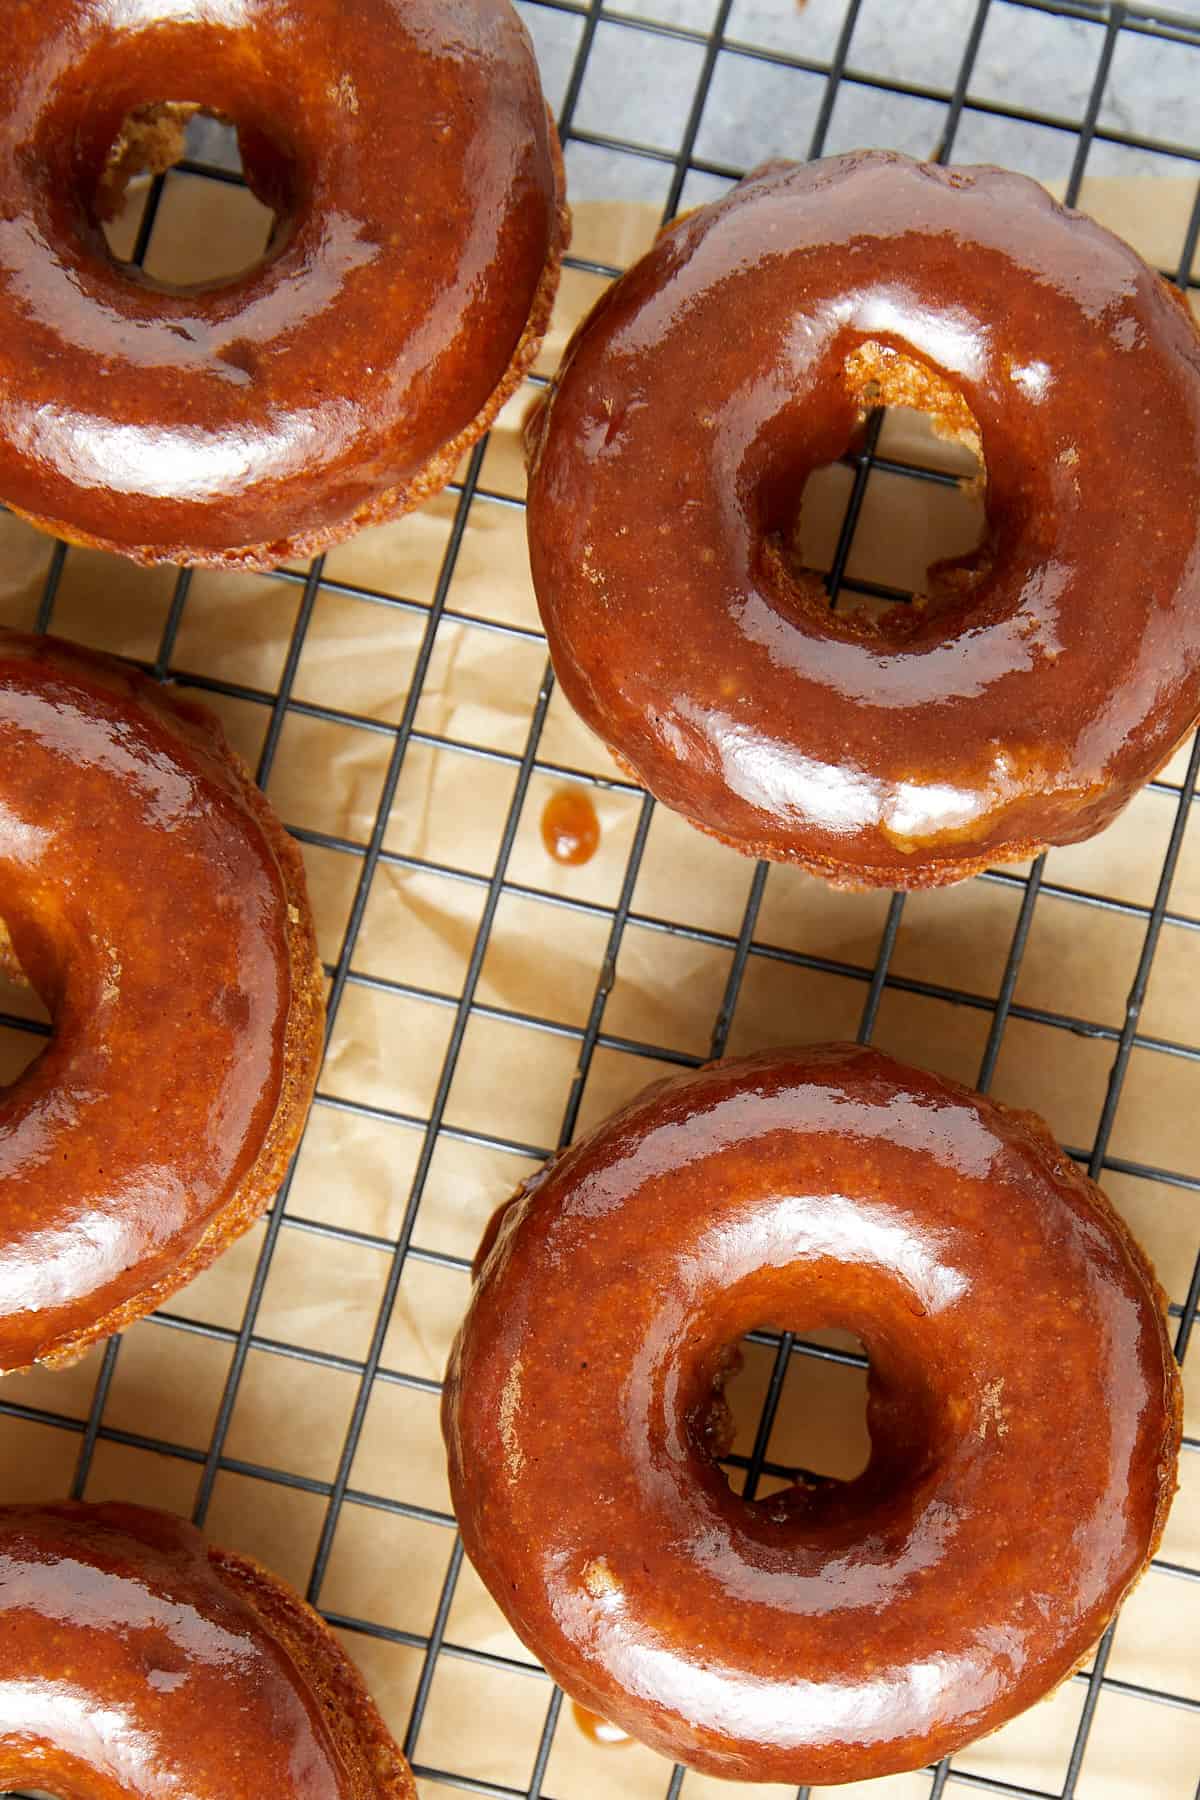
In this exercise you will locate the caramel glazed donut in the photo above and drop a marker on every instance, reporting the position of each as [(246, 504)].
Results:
[(137, 1661), (1022, 1456), (152, 899), (406, 150), (1027, 696)]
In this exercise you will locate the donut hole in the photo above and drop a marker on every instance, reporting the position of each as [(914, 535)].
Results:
[(919, 543), (24, 1018), (819, 1431), (205, 224), (914, 536)]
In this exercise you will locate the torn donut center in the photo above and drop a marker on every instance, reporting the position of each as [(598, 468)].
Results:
[(189, 199), (897, 528)]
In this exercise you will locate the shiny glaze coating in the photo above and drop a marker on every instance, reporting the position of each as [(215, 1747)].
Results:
[(138, 1663), (405, 147), (151, 898), (1023, 1406), (1032, 694)]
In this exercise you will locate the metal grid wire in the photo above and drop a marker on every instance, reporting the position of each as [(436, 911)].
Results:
[(1111, 24)]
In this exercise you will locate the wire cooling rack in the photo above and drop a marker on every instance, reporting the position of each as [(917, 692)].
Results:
[(709, 45)]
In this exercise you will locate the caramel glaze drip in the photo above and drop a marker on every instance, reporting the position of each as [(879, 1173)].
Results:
[(570, 828), (598, 1730)]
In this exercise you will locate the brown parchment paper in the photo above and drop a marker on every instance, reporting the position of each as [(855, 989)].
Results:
[(355, 1170)]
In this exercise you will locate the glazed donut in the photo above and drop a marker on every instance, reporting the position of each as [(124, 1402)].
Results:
[(1027, 696), (136, 1660), (1022, 1456), (417, 181), (150, 896)]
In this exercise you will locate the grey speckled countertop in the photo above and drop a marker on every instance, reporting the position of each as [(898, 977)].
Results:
[(640, 86)]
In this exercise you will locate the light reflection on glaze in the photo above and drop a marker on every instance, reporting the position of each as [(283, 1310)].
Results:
[(54, 297), (1036, 378), (962, 669), (185, 463), (947, 336), (1098, 1537), (21, 841), (774, 777), (851, 1629), (149, 910), (795, 1712), (787, 1230), (71, 1592), (131, 15), (871, 1575), (62, 1264), (104, 1737), (62, 726), (712, 380), (939, 1125)]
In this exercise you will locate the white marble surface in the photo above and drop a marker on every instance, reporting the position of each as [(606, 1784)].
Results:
[(640, 87)]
